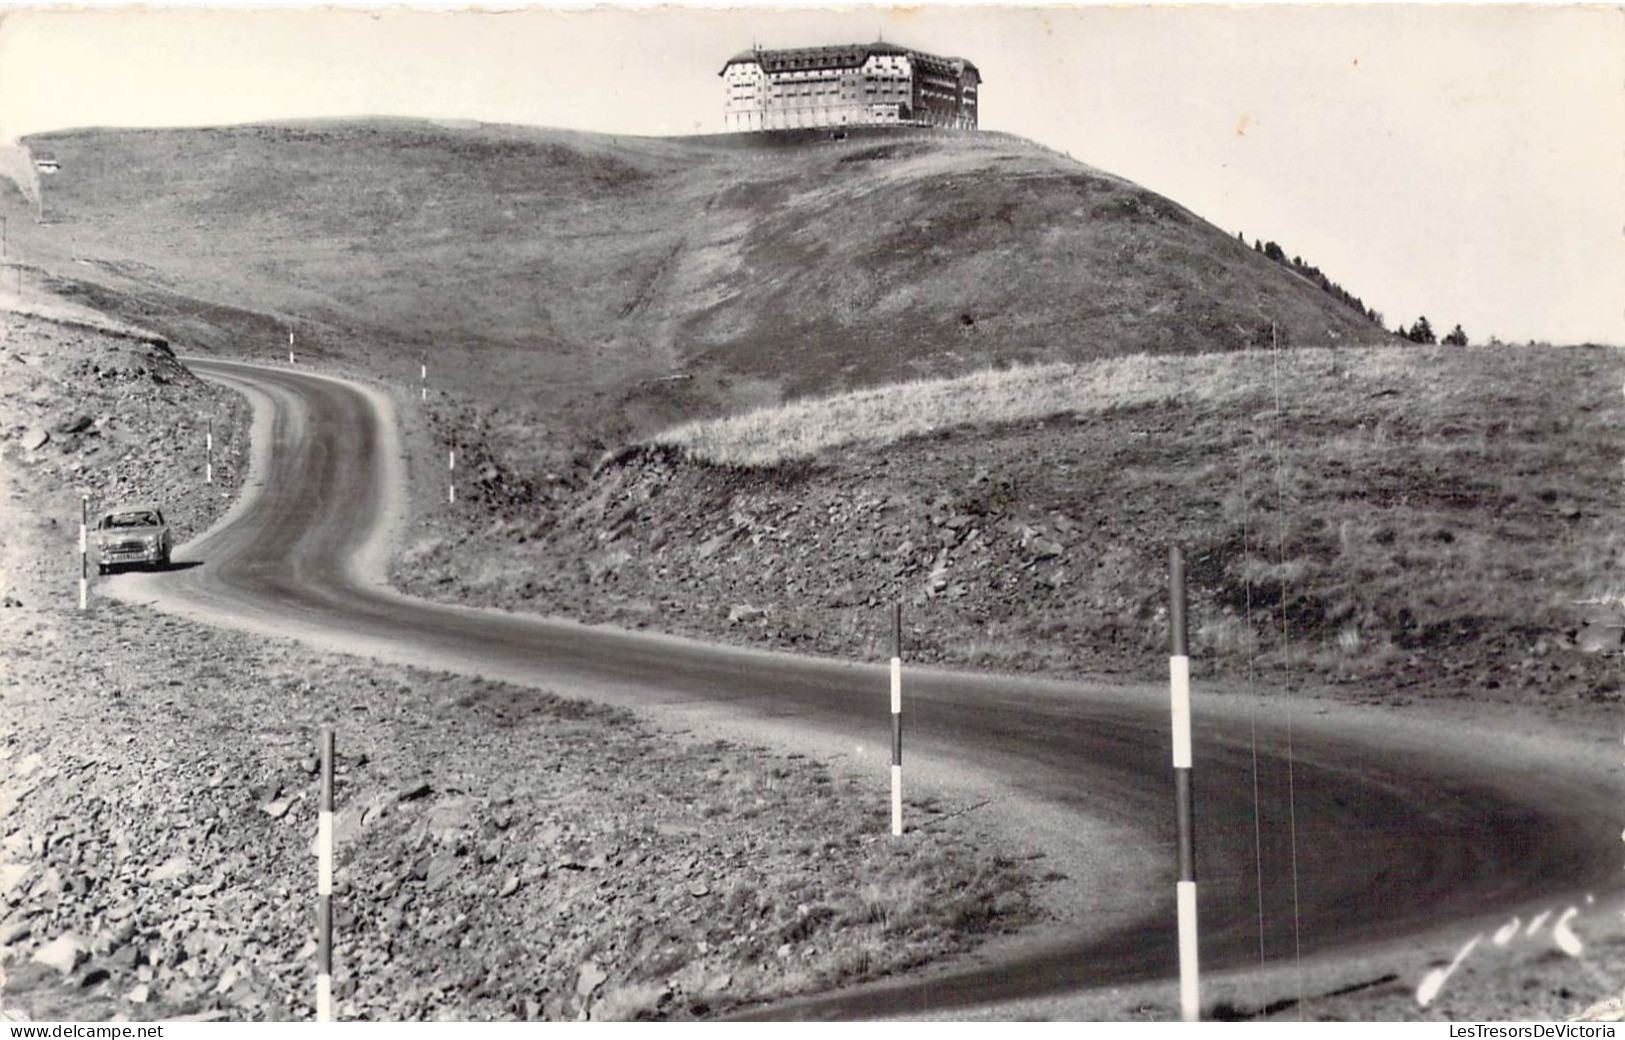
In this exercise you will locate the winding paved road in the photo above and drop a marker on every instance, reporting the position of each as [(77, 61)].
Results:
[(1389, 840)]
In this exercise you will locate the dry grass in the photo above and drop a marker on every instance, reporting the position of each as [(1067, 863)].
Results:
[(887, 414), (1440, 517)]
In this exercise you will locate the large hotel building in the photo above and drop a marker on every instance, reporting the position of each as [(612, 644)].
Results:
[(874, 84)]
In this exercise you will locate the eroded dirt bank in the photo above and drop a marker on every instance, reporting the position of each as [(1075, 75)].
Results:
[(1343, 531)]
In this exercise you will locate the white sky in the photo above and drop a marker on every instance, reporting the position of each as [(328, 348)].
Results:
[(1463, 162)]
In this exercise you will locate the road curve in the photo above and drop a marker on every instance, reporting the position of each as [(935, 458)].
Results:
[(1385, 840)]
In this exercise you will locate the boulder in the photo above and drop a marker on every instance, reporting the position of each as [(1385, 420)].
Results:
[(15, 931), (172, 868), (711, 546), (416, 792), (94, 976), (441, 867), (450, 818), (228, 979), (1599, 639), (64, 953), (588, 978), (12, 875), (1602, 629), (719, 983), (49, 885), (1045, 549)]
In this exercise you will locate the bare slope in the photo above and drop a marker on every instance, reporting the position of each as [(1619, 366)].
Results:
[(618, 284)]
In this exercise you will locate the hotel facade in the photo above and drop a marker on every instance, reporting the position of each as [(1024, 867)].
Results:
[(875, 84)]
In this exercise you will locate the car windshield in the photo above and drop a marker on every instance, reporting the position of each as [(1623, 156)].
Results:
[(140, 519)]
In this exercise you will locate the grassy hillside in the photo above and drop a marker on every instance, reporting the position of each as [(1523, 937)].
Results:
[(1411, 521), (616, 285), (887, 414)]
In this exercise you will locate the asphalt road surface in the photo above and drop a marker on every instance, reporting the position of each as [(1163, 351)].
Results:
[(1359, 843)]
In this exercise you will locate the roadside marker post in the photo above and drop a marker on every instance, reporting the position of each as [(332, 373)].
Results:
[(423, 377), (84, 552), (1179, 683), (451, 481), (290, 346), (897, 719), (208, 454), (324, 885)]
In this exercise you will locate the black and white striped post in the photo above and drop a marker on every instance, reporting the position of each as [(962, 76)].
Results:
[(324, 886), (84, 552), (451, 480), (1179, 684), (290, 346), (208, 454), (897, 719), (423, 377)]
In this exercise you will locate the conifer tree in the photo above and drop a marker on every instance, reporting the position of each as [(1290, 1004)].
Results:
[(1421, 332)]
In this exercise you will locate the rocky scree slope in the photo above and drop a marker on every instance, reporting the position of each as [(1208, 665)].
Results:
[(501, 853)]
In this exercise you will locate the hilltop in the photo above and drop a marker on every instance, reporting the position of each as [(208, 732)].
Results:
[(609, 286)]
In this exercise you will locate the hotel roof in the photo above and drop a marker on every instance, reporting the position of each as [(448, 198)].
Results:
[(841, 56)]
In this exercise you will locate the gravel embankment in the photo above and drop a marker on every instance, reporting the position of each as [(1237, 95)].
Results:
[(502, 853)]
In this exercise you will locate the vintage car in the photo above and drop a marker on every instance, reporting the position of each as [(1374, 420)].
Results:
[(129, 534)]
